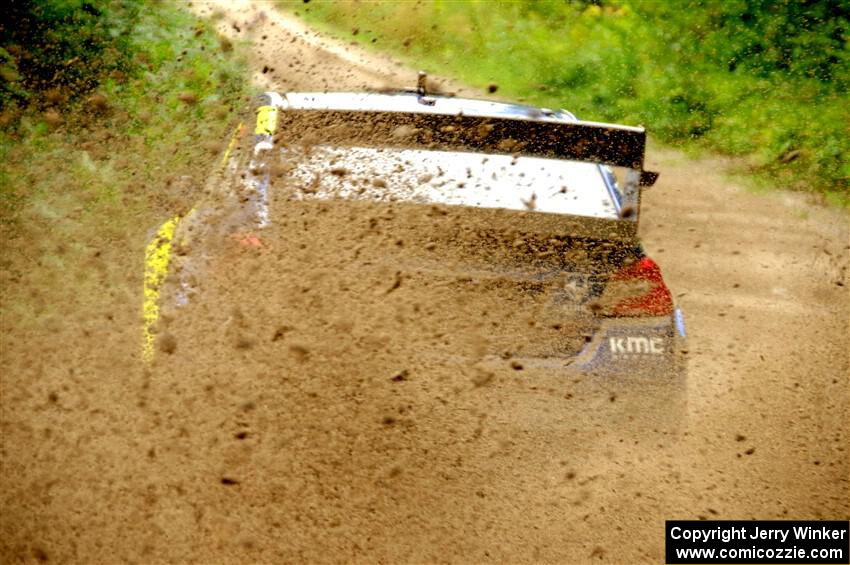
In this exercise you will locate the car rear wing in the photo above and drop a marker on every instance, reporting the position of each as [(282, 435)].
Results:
[(619, 146)]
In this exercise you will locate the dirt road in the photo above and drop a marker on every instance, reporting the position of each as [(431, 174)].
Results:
[(310, 424)]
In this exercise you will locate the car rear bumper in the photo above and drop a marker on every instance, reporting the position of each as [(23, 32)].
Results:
[(645, 349)]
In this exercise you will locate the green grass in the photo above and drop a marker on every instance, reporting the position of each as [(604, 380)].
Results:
[(92, 175), (764, 81)]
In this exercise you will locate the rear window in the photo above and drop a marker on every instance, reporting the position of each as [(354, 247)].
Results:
[(451, 178)]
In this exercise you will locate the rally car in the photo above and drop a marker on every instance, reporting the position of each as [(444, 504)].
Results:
[(542, 201)]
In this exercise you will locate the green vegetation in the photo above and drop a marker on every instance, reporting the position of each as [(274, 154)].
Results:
[(766, 80), (62, 45), (111, 113)]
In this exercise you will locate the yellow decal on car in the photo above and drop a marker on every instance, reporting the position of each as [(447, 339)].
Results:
[(157, 257), (266, 120), (233, 139)]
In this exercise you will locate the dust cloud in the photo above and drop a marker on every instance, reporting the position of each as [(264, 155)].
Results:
[(338, 393)]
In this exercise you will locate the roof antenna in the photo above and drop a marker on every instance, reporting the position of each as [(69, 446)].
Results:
[(420, 83), (422, 96)]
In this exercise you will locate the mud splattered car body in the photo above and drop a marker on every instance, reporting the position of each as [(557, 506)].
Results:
[(525, 201)]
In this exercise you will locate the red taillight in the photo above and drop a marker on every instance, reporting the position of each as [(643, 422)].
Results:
[(652, 298)]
